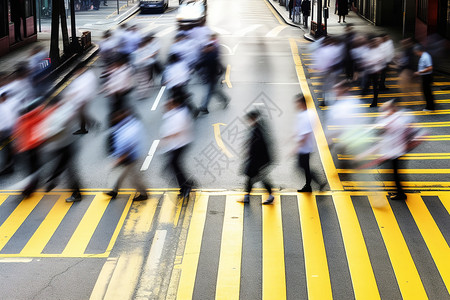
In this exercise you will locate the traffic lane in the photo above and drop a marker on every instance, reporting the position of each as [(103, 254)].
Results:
[(48, 278)]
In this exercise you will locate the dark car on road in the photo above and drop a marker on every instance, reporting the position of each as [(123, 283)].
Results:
[(153, 5)]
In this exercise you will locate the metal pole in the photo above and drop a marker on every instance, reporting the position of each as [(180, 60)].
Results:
[(118, 7), (319, 19), (39, 14)]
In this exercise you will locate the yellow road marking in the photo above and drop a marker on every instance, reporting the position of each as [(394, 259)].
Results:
[(324, 151), (86, 228), (317, 273), (390, 171), (405, 270), (274, 281), (103, 279), (219, 140), (192, 249), (363, 278), (17, 217), (42, 235), (414, 125), (392, 183), (168, 208), (433, 237), (3, 198), (227, 79), (275, 14), (229, 270), (407, 156)]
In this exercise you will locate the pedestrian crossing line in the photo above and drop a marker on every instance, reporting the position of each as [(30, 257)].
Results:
[(405, 184), (274, 281), (140, 217), (433, 237), (391, 171), (192, 249), (363, 278), (3, 197), (45, 231), (415, 125), (85, 229), (316, 265), (408, 113), (17, 217), (229, 270), (408, 278), (407, 156)]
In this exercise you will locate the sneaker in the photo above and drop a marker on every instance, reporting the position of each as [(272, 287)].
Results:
[(373, 105), (141, 197), (74, 198), (399, 197), (269, 200), (245, 200), (305, 189), (322, 186), (113, 194), (204, 111), (426, 109)]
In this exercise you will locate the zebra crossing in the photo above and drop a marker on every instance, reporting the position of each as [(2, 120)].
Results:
[(325, 245), (340, 245)]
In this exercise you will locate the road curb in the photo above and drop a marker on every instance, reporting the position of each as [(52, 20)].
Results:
[(277, 8)]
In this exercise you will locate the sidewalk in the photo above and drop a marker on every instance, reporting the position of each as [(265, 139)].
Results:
[(110, 20), (360, 25)]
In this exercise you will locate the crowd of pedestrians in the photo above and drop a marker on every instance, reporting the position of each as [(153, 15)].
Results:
[(131, 63)]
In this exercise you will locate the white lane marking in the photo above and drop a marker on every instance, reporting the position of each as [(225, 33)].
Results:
[(158, 98), (166, 31), (150, 28), (150, 155), (151, 266), (220, 30), (251, 28), (15, 260), (274, 32)]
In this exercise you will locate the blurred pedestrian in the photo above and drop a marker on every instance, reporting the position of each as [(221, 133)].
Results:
[(407, 67), (291, 8), (425, 71), (388, 50), (81, 92), (342, 8), (8, 114), (306, 11), (146, 64), (18, 17), (304, 144), (177, 135), (259, 156), (127, 134), (349, 63), (211, 69), (374, 62)]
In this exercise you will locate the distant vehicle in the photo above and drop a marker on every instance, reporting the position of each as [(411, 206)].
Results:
[(191, 13), (153, 5)]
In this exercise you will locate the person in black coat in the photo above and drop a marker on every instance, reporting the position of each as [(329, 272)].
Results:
[(211, 69), (291, 8), (342, 6), (259, 157), (306, 11), (18, 15)]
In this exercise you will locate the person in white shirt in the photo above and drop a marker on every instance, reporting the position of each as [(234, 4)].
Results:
[(425, 71), (374, 62), (387, 47), (305, 144), (8, 119), (177, 135), (82, 91)]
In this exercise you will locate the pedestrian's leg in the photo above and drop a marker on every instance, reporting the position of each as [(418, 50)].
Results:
[(175, 163), (427, 91), (221, 94), (375, 82), (125, 171), (207, 99), (303, 163), (137, 182), (400, 193), (74, 180), (383, 79)]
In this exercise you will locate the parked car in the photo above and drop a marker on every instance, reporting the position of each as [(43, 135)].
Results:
[(153, 5), (191, 13)]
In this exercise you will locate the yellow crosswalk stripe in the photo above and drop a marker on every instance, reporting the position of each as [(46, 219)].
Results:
[(405, 270), (3, 197), (18, 216), (274, 281), (48, 227), (433, 237), (317, 273), (363, 278), (229, 271), (192, 249), (86, 228), (140, 218), (445, 199)]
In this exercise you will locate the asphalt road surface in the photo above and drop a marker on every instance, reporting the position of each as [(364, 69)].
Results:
[(346, 242)]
